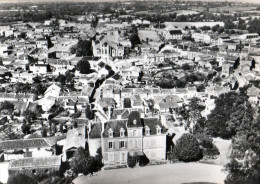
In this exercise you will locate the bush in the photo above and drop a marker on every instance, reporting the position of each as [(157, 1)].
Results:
[(208, 148), (131, 161), (21, 179), (187, 148), (82, 162)]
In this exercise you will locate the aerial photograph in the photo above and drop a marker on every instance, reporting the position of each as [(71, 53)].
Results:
[(129, 91)]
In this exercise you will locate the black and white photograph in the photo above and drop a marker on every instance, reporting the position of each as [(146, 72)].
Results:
[(129, 92)]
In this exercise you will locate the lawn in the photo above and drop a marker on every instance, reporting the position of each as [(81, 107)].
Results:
[(152, 35), (178, 173)]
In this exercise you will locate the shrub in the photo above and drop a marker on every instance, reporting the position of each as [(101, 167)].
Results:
[(131, 161), (208, 148), (187, 148), (82, 162), (21, 179)]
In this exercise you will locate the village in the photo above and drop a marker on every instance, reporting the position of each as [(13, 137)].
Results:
[(121, 88)]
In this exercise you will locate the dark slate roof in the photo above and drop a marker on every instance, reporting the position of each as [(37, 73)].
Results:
[(95, 131), (123, 112), (24, 143), (134, 115), (35, 162), (175, 32), (115, 125), (152, 124)]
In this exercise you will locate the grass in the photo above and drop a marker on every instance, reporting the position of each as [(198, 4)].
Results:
[(152, 35)]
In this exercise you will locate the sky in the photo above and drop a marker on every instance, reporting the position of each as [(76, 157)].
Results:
[(34, 1)]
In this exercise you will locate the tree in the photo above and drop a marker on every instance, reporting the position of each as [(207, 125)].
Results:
[(89, 113), (187, 148), (83, 66), (44, 133), (83, 48), (236, 64), (26, 128), (6, 105), (127, 103), (244, 166), (232, 113), (215, 28), (21, 179), (82, 162), (135, 40), (252, 64)]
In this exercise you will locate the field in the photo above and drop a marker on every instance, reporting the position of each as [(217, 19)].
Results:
[(182, 12), (232, 9), (178, 173), (152, 35), (189, 24)]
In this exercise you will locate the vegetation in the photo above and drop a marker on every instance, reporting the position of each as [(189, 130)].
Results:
[(131, 161), (83, 48), (21, 179), (82, 162), (187, 148), (83, 66), (232, 113)]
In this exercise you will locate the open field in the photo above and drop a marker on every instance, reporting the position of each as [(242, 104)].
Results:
[(152, 35), (178, 173), (232, 9)]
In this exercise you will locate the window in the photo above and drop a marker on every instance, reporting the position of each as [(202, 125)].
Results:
[(147, 130), (122, 132), (110, 145), (123, 157), (122, 144), (158, 130), (110, 133), (135, 132), (111, 157)]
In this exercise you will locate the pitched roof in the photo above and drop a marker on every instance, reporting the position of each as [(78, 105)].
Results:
[(152, 123), (35, 162), (134, 119), (25, 143), (75, 138), (115, 125), (95, 131)]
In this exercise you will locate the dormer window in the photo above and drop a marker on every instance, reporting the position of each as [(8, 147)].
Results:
[(122, 132), (158, 130), (110, 133), (134, 121), (147, 130)]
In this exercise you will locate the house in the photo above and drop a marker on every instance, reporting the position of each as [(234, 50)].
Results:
[(75, 138), (173, 34), (39, 68), (22, 148), (253, 93), (35, 166), (134, 137), (106, 46)]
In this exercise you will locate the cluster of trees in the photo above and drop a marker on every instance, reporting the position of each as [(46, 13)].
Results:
[(82, 162), (82, 48), (232, 113), (83, 66), (190, 148), (244, 166)]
